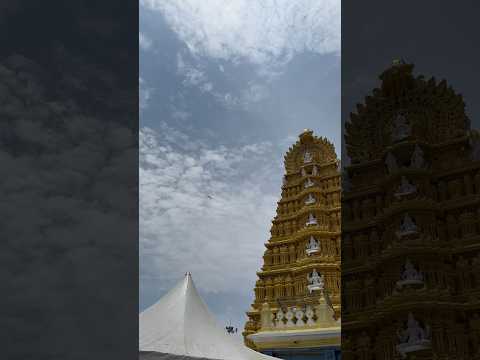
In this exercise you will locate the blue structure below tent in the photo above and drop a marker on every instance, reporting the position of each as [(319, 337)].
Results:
[(324, 353)]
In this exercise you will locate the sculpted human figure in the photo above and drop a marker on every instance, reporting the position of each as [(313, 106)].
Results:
[(311, 220), (407, 225), (310, 199), (308, 183), (401, 128), (315, 279), (405, 187), (312, 245), (307, 157), (410, 273)]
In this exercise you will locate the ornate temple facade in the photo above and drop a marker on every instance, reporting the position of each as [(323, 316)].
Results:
[(411, 224), (296, 311)]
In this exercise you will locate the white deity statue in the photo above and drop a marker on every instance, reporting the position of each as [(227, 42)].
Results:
[(313, 246), (307, 157), (279, 318), (311, 220), (314, 170), (413, 338), (303, 172), (410, 276), (391, 163), (417, 161), (405, 188), (308, 183), (310, 199), (315, 281), (407, 227), (401, 129)]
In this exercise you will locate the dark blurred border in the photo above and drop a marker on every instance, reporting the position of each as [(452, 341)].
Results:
[(69, 183), (440, 39)]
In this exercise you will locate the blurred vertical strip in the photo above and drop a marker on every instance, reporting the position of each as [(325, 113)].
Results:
[(69, 183), (411, 181)]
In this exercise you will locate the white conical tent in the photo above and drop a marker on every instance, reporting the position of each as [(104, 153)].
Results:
[(179, 326)]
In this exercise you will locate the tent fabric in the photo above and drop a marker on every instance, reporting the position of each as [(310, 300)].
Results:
[(180, 324)]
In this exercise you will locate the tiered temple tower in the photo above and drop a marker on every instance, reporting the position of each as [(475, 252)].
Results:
[(296, 312), (411, 224)]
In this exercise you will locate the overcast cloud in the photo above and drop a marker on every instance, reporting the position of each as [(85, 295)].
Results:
[(226, 87)]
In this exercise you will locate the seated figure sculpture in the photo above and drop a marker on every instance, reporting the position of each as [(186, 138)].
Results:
[(410, 276), (405, 188), (310, 200), (407, 227), (303, 172), (311, 220), (308, 183), (307, 157), (401, 128), (315, 281), (313, 246), (413, 337)]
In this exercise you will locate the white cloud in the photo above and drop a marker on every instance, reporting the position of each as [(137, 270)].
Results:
[(205, 210), (144, 93), (264, 32), (144, 42)]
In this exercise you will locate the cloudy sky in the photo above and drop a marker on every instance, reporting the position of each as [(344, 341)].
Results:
[(225, 89)]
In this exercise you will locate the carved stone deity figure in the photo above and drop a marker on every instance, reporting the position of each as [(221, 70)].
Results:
[(315, 281), (405, 188), (407, 227), (391, 163), (307, 157), (410, 275), (310, 199), (314, 170), (401, 129), (413, 337), (311, 220), (303, 172), (414, 333), (308, 183), (313, 246), (417, 161)]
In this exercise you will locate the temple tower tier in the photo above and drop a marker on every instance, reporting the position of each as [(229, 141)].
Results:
[(297, 304)]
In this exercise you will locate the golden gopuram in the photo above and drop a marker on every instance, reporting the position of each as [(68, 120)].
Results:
[(411, 224), (296, 311)]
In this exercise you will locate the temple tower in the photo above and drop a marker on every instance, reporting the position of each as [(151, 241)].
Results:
[(296, 311), (411, 224)]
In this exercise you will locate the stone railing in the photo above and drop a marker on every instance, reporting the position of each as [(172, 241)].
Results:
[(294, 317)]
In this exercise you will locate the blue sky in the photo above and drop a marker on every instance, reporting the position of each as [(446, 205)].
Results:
[(225, 89)]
